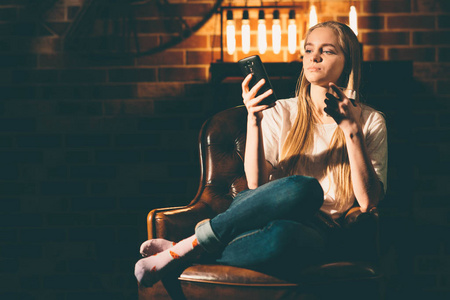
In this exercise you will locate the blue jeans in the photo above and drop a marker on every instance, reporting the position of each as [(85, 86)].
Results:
[(269, 228)]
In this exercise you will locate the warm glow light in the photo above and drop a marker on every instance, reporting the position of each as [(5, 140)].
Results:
[(245, 32), (353, 20), (262, 39), (231, 38), (262, 33), (292, 37), (231, 33), (312, 16), (276, 32), (276, 36), (292, 33)]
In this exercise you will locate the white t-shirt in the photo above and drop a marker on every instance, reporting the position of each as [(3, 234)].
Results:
[(276, 124)]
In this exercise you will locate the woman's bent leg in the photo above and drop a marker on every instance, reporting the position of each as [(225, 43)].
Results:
[(289, 198), (293, 198), (281, 249)]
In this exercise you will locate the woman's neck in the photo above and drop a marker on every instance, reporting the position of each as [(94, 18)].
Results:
[(318, 95)]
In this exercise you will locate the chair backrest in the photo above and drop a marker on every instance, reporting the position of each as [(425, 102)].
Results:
[(222, 147)]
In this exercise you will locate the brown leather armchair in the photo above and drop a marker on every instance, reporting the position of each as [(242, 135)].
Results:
[(352, 274)]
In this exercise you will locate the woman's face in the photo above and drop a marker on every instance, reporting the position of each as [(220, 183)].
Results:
[(324, 60)]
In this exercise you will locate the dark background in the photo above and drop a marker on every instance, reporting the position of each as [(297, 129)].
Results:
[(91, 139)]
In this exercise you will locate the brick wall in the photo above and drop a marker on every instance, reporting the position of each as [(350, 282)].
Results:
[(90, 142)]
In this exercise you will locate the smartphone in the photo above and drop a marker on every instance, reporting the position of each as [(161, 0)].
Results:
[(254, 65)]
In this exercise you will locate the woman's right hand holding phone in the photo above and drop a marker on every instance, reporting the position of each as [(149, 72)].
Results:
[(255, 165), (251, 102)]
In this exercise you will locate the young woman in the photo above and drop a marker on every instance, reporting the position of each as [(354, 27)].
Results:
[(314, 155)]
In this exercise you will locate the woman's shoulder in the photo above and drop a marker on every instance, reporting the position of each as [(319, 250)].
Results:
[(284, 107), (289, 103), (370, 112), (283, 110), (372, 117)]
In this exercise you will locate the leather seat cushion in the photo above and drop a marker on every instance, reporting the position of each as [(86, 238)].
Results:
[(228, 275)]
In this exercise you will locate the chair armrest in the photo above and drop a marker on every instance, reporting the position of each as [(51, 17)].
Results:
[(355, 216), (362, 233), (177, 223)]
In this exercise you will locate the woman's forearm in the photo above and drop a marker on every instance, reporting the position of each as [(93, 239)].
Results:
[(367, 187), (255, 164)]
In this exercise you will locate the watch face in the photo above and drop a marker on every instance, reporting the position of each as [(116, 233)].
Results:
[(132, 27)]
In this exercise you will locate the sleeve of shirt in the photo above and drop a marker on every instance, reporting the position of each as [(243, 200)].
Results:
[(271, 128), (377, 145)]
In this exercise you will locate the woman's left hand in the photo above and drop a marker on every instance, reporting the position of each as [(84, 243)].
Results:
[(345, 111)]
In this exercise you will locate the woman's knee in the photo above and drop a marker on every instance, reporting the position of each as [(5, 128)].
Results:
[(281, 233), (289, 239), (305, 187)]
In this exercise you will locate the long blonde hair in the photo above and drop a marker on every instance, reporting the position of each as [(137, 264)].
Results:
[(300, 140)]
